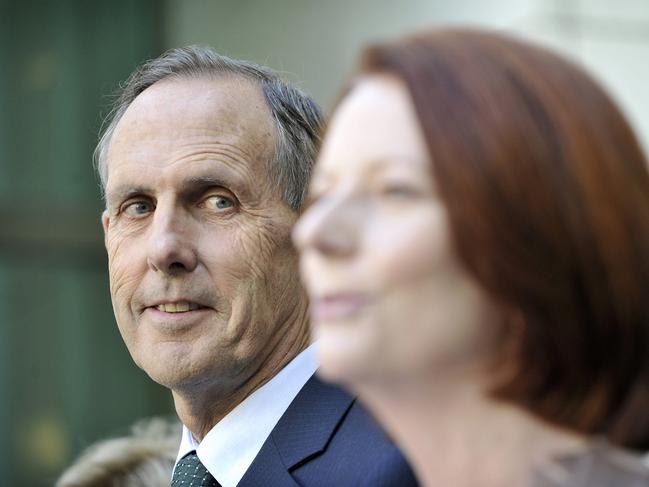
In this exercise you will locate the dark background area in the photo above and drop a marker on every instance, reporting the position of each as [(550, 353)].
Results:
[(66, 378)]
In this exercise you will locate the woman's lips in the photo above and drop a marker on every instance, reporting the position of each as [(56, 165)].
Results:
[(338, 306)]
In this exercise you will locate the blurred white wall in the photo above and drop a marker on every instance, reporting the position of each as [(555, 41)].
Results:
[(609, 37), (316, 42)]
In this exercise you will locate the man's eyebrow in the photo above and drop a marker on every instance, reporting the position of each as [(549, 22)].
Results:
[(194, 186), (190, 188), (123, 193), (204, 182)]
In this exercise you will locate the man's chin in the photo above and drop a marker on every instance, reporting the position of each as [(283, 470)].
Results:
[(167, 371), (183, 380)]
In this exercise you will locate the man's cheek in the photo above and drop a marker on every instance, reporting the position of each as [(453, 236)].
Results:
[(123, 284), (122, 269), (114, 241), (257, 248), (232, 256)]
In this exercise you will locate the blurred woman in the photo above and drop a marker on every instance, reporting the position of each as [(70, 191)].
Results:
[(476, 250)]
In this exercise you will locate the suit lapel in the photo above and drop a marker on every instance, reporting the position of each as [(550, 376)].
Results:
[(310, 421), (267, 469), (303, 432)]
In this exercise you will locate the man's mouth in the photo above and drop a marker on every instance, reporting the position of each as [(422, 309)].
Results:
[(179, 307)]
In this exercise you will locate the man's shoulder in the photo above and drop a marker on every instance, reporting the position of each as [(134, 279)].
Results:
[(360, 453), (328, 438)]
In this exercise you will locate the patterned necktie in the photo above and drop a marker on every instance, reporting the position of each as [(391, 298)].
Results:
[(190, 472)]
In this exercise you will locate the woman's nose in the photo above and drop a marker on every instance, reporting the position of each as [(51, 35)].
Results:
[(330, 227)]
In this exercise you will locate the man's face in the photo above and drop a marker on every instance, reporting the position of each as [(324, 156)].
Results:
[(202, 270)]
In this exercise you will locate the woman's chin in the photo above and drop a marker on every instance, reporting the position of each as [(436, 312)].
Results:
[(345, 362)]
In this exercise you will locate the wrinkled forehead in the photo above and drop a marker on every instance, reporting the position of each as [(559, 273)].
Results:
[(185, 111)]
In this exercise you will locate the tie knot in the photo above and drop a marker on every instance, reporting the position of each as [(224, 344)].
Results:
[(190, 472)]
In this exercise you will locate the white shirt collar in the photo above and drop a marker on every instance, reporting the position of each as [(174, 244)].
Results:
[(230, 447)]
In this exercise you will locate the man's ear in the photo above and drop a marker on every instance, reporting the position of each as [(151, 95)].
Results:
[(105, 221)]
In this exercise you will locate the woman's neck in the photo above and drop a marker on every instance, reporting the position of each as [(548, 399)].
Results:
[(456, 435)]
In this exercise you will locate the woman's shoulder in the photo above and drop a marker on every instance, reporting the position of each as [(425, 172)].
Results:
[(598, 465)]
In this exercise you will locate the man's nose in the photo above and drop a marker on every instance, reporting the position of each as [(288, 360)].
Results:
[(171, 246), (331, 227)]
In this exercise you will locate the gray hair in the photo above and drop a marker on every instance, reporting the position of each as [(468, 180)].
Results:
[(297, 118), (145, 458)]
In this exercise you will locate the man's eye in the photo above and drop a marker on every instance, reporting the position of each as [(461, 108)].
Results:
[(138, 208), (219, 202)]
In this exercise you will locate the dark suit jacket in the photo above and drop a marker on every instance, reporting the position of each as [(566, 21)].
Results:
[(326, 438)]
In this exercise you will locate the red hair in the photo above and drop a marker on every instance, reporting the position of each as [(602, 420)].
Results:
[(547, 192)]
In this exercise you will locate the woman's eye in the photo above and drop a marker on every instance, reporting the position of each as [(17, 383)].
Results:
[(220, 202), (399, 191), (138, 208)]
